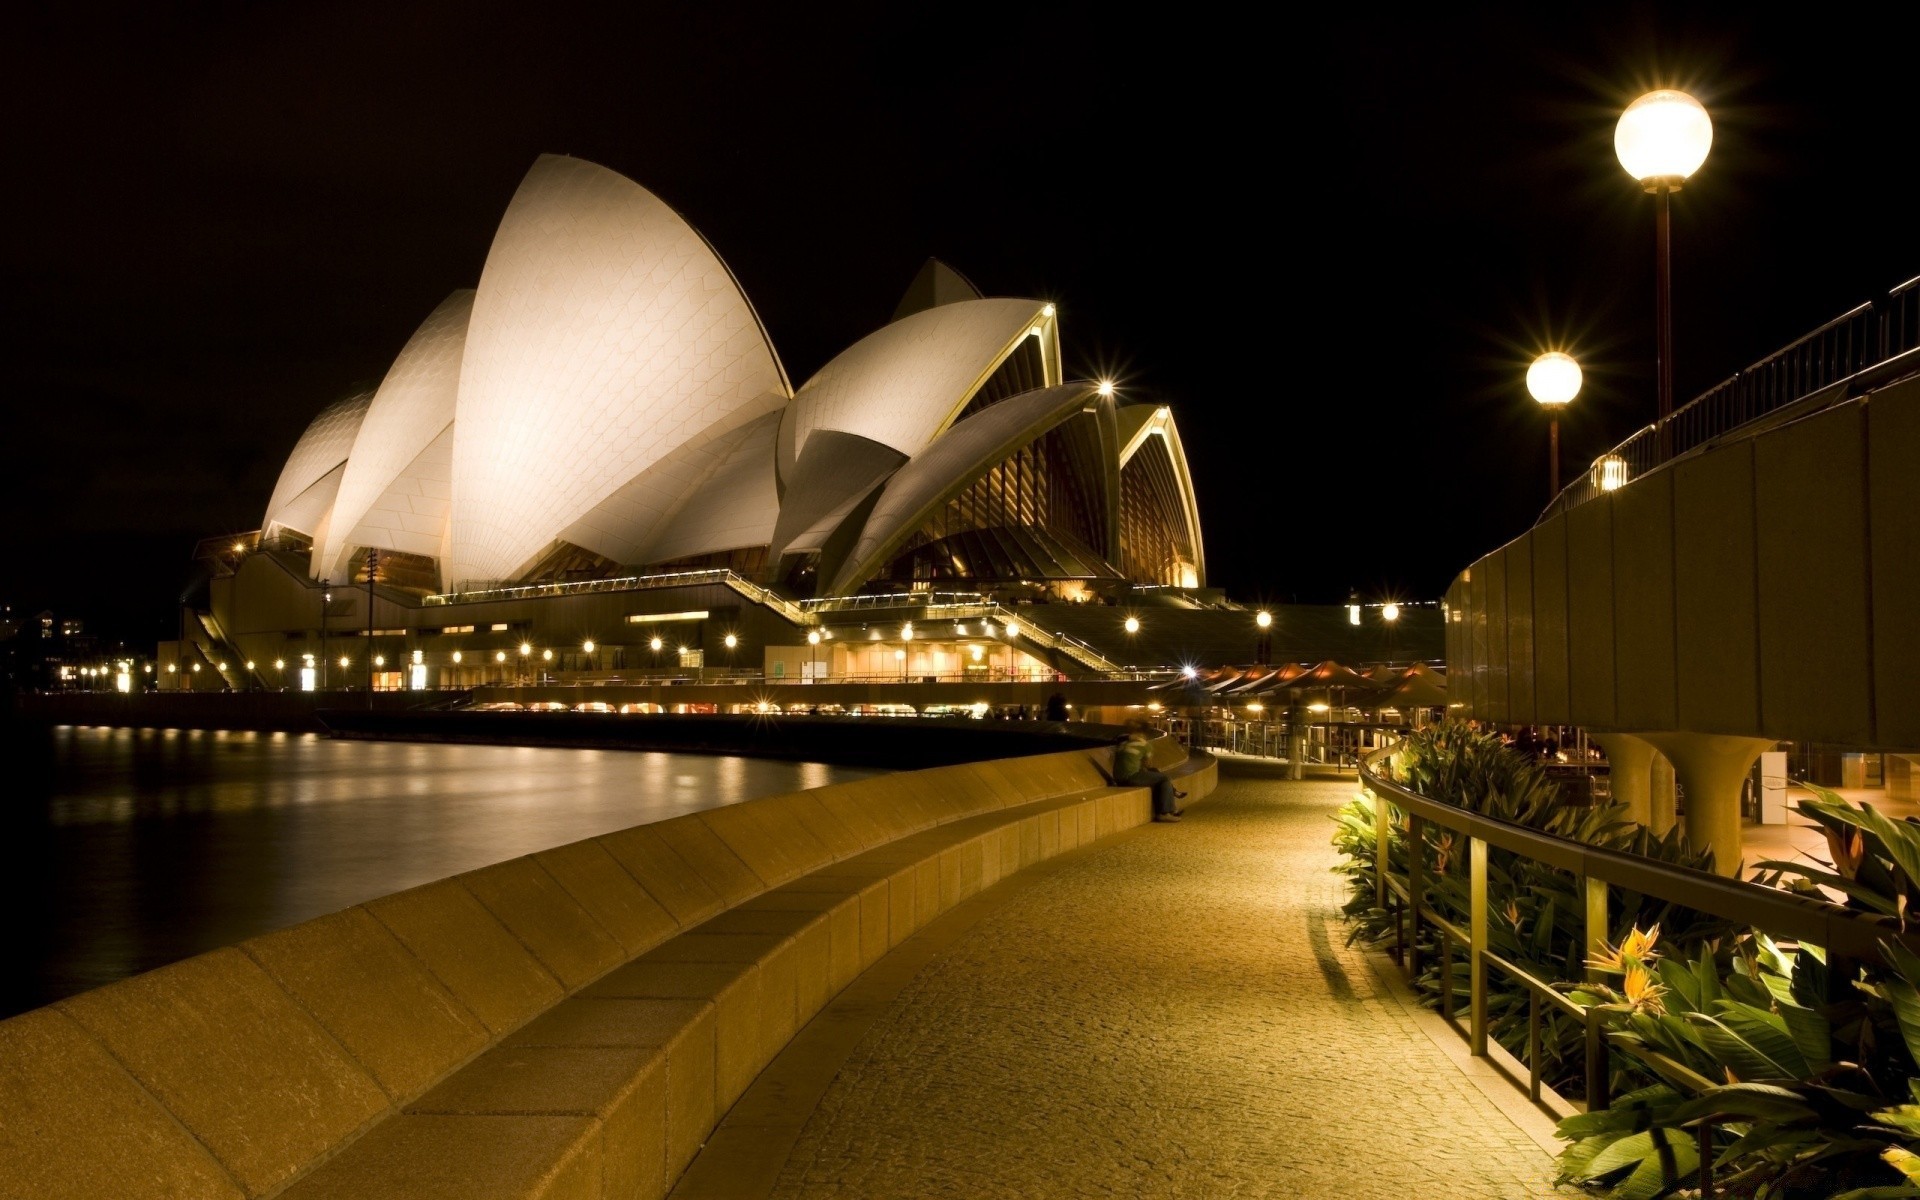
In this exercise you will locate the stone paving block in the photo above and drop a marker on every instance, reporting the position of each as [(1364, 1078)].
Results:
[(431, 1157), (665, 876), (467, 949), (860, 807), (711, 859), (597, 881), (813, 970), (832, 832), (1048, 826), (624, 1089), (533, 906), (901, 920), (236, 1061), (755, 917), (588, 1021), (774, 843), (926, 890), (374, 996), (734, 989), (76, 1126)]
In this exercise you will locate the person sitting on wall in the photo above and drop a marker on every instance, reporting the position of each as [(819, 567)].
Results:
[(1130, 769), (1057, 707)]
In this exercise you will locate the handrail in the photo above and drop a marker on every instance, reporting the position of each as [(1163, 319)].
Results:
[(1867, 346), (1844, 933)]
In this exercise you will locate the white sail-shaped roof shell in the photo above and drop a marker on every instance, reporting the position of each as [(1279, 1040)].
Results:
[(606, 334), (906, 382), (395, 495), (712, 494), (304, 493), (918, 490)]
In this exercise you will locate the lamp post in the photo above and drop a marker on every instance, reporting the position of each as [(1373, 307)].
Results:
[(1553, 380), (326, 598), (813, 656), (1263, 644), (373, 569), (1661, 139)]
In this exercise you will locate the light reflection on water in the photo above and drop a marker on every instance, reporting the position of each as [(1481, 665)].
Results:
[(124, 849)]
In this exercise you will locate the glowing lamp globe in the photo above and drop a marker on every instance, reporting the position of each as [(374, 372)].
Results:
[(1663, 137), (1554, 378)]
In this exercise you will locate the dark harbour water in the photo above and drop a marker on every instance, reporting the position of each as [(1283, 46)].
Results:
[(125, 849)]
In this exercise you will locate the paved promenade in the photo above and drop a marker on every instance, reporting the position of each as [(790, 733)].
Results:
[(1169, 1014)]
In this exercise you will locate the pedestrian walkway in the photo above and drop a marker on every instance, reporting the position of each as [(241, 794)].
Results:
[(1171, 1013)]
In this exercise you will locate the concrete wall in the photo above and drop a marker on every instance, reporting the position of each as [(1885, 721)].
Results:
[(567, 1024), (1762, 588)]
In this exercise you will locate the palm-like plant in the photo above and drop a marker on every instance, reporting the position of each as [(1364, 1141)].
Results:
[(1535, 917)]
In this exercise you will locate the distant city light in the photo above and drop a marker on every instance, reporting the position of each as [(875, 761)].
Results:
[(1190, 672), (249, 664), (499, 656), (1353, 614), (546, 656), (279, 664)]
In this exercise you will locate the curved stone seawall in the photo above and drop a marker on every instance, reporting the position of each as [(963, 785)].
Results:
[(568, 1024)]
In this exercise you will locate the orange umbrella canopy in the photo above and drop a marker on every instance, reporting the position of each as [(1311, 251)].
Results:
[(1416, 690), (1330, 674)]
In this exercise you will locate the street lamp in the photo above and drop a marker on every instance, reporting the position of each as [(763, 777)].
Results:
[(1390, 612), (1263, 645), (1133, 624), (1661, 139), (1553, 380), (813, 641)]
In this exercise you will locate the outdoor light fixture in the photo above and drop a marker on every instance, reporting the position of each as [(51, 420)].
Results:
[(499, 656), (172, 668), (526, 648), (1255, 706), (1133, 624), (656, 645), (1353, 614), (587, 645), (1390, 612), (1013, 629), (1554, 380), (731, 641), (379, 660), (1190, 672), (249, 664), (456, 658), (813, 639), (1610, 473), (900, 655), (1319, 708), (906, 632), (546, 656), (1661, 139), (1263, 619), (345, 661), (1047, 311), (1106, 387), (279, 664)]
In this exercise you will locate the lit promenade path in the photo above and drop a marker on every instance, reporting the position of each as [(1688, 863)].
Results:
[(1171, 1014)]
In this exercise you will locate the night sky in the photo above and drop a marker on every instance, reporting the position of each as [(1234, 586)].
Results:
[(1333, 244)]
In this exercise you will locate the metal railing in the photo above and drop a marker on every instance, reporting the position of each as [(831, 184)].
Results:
[(717, 576), (1866, 346), (1847, 935)]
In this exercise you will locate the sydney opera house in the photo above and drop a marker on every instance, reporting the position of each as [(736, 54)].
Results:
[(595, 461)]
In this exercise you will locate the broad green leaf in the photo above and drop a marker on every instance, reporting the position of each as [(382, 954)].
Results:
[(1747, 1062)]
